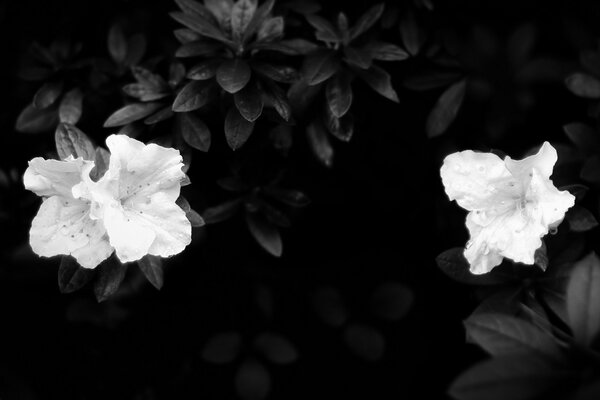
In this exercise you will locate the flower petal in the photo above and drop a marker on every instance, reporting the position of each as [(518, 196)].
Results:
[(130, 237), (54, 177), (63, 226), (543, 161), (477, 180), (546, 204), (481, 252)]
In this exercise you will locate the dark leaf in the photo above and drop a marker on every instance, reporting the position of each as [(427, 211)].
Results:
[(69, 110), (590, 172), (222, 212), (258, 19), (341, 128), (365, 341), (196, 49), (152, 81), (431, 80), (453, 263), (201, 25), (265, 234), (276, 72), (578, 190), (366, 21), (339, 94), (445, 109), (357, 57), (72, 276), (500, 334), (320, 66), (102, 160), (241, 15), (319, 143), (222, 348), (34, 120), (233, 75), (583, 299), (194, 7), (130, 113), (380, 81), (271, 29), (109, 277), (385, 51), (413, 36), (325, 30), (583, 85), (194, 131), (237, 129), (515, 377), (392, 301), (342, 25), (203, 70), (275, 97), (136, 48), (185, 35), (274, 215), (329, 306), (143, 92), (192, 96), (583, 136), (290, 197), (47, 94), (160, 115), (590, 59), (540, 257), (252, 381), (249, 102), (293, 47), (70, 141), (152, 268), (232, 184), (195, 219), (301, 96), (580, 219), (282, 138), (117, 44), (276, 348)]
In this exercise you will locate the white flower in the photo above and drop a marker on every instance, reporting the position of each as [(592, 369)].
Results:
[(132, 206), (512, 203)]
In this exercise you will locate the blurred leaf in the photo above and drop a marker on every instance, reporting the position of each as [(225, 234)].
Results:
[(196, 49), (365, 341), (583, 85), (454, 264), (241, 15), (580, 219), (281, 137), (339, 94), (540, 257), (47, 94), (222, 348), (194, 7), (413, 36), (233, 75), (194, 95), (301, 96), (102, 160), (500, 334), (385, 51), (266, 235), (143, 92), (293, 198), (445, 109), (590, 59), (117, 44), (380, 81), (203, 70), (34, 120), (276, 348), (237, 129), (70, 108), (72, 276), (583, 299), (249, 102), (152, 268), (341, 128), (199, 24), (136, 48), (329, 306), (319, 66), (274, 215), (357, 57), (392, 301), (194, 131), (325, 30), (109, 277), (185, 35), (514, 377), (258, 19), (292, 47), (221, 212), (521, 44), (152, 81), (252, 381), (271, 29), (232, 184), (431, 80), (276, 72), (130, 113), (366, 21), (319, 143), (72, 141), (590, 172), (587, 391), (583, 136)]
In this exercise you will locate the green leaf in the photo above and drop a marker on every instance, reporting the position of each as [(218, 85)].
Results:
[(320, 66), (194, 131), (221, 212), (196, 49), (366, 21), (453, 263), (271, 29), (130, 113), (325, 30), (385, 51), (583, 299), (222, 348), (192, 96), (514, 377), (249, 102), (278, 73), (265, 234), (34, 120), (237, 129), (72, 276), (500, 334), (580, 219), (47, 94), (583, 136), (319, 143), (445, 109), (109, 277), (380, 81), (339, 94), (200, 25), (233, 75), (204, 70), (70, 107), (583, 85), (413, 36), (117, 44), (72, 141), (357, 57), (241, 15), (152, 268)]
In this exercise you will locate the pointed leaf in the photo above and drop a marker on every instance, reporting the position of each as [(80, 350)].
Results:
[(203, 70), (325, 30), (277, 73), (380, 81), (413, 36), (241, 15), (385, 51), (249, 102), (294, 198), (109, 277), (258, 19), (357, 57), (184, 35), (319, 143), (130, 113), (196, 49), (72, 276), (265, 234), (366, 21), (320, 66), (200, 25), (221, 212), (152, 268), (144, 92), (34, 120), (233, 75), (583, 85), (271, 29), (72, 141), (70, 107), (237, 129), (194, 131), (194, 95), (275, 97), (445, 109), (339, 94), (583, 299), (341, 128), (47, 94), (160, 115)]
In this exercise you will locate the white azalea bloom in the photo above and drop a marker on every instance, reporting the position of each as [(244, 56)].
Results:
[(512, 204), (63, 224), (130, 210)]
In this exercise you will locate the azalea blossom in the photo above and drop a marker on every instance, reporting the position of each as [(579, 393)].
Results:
[(131, 209), (512, 204)]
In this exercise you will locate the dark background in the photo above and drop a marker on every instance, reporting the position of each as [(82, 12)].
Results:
[(378, 216)]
